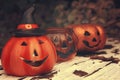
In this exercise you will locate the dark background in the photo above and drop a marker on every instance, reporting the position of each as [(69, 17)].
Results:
[(60, 13)]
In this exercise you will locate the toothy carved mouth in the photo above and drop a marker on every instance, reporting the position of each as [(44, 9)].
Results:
[(34, 63), (88, 45)]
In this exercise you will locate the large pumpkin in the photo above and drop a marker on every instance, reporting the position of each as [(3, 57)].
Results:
[(28, 55), (90, 37), (63, 42)]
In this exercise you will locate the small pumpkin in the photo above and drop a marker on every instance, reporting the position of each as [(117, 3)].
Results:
[(28, 55), (90, 37), (63, 42)]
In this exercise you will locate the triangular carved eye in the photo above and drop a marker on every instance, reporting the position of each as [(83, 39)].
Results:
[(24, 44), (41, 42), (87, 33)]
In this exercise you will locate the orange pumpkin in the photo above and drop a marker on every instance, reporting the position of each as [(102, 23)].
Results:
[(90, 37), (63, 42), (26, 55)]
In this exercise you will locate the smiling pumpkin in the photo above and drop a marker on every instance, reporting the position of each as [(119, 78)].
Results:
[(88, 37), (63, 42), (28, 53)]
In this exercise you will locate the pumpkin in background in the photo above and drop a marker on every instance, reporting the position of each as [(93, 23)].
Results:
[(90, 37), (63, 42), (28, 55)]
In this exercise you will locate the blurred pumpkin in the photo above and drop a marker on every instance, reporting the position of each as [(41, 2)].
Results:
[(29, 52), (90, 37), (63, 42)]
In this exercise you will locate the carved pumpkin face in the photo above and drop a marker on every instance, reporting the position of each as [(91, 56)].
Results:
[(89, 37), (63, 42), (23, 56)]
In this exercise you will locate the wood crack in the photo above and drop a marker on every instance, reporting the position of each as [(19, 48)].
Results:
[(98, 69)]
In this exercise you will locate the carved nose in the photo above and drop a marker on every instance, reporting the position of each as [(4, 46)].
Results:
[(94, 40), (35, 53), (64, 44)]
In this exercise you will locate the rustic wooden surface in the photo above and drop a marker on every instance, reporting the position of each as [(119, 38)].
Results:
[(83, 67)]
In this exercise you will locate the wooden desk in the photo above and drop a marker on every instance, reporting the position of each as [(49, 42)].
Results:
[(83, 67)]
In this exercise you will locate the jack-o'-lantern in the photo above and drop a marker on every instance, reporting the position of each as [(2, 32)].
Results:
[(29, 52), (90, 37), (63, 42)]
